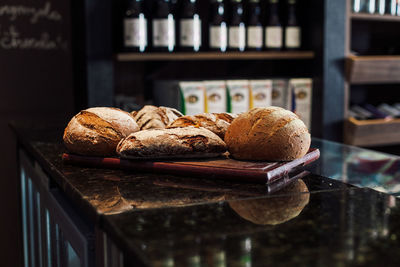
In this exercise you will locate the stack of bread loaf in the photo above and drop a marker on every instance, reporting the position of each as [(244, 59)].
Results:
[(270, 134)]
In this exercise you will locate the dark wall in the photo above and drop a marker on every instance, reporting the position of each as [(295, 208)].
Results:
[(35, 85)]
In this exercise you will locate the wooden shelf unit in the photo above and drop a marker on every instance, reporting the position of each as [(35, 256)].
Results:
[(374, 17), (373, 69), (365, 70), (187, 56)]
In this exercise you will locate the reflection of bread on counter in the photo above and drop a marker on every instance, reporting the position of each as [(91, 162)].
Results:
[(97, 131), (218, 123), (272, 134), (274, 209), (152, 117), (188, 142)]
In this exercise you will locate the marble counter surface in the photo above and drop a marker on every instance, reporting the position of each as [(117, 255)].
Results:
[(164, 220)]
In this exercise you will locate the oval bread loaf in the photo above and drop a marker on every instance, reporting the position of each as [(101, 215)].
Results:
[(217, 123), (272, 134), (152, 117), (189, 142), (97, 131)]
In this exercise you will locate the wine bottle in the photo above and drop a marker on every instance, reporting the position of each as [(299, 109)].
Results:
[(254, 26), (218, 31), (163, 27), (273, 28), (134, 26), (237, 28), (292, 30), (190, 26), (391, 7)]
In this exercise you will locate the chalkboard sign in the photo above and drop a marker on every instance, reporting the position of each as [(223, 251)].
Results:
[(35, 55)]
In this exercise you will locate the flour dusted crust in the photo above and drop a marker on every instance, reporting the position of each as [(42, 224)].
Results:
[(189, 142), (218, 123), (272, 134), (152, 117), (97, 131)]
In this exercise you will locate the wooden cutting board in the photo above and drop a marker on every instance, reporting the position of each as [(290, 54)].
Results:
[(216, 168)]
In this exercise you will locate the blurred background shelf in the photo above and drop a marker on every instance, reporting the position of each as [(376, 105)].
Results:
[(373, 69), (374, 17), (186, 56), (371, 132)]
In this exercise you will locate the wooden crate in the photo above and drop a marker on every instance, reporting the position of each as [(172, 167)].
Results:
[(371, 132), (373, 69)]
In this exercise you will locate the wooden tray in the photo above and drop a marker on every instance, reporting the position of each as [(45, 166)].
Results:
[(371, 132), (216, 168)]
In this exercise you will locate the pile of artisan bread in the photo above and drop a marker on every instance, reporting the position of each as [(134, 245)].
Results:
[(270, 134)]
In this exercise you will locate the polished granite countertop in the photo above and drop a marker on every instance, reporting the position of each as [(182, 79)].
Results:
[(164, 220)]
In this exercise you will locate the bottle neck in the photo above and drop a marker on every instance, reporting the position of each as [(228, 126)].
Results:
[(218, 13), (237, 12), (163, 9), (292, 18), (254, 15), (273, 17), (189, 9), (133, 8)]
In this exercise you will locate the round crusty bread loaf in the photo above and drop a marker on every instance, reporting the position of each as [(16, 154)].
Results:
[(274, 210), (217, 123), (272, 134), (152, 117), (97, 131), (188, 142)]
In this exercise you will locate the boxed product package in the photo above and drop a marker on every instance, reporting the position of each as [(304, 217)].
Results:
[(239, 96), (193, 97), (261, 93), (216, 101), (302, 91), (280, 94)]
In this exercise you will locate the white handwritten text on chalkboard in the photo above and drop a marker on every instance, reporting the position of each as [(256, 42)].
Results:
[(34, 13), (12, 39)]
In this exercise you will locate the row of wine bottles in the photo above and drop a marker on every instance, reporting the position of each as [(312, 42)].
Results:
[(369, 112), (235, 25), (389, 7)]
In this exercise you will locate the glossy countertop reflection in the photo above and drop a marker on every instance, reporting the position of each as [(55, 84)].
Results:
[(357, 227), (165, 220), (357, 166)]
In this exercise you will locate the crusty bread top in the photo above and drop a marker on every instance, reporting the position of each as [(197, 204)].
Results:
[(152, 117), (228, 117), (121, 120), (97, 131), (271, 133), (177, 142), (218, 123)]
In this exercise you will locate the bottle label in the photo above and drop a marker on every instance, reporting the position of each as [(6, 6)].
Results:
[(254, 36), (219, 36), (273, 37), (292, 37), (237, 37), (164, 32), (135, 32), (190, 32)]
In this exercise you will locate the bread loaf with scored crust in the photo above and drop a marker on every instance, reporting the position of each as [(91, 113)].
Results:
[(271, 134), (188, 142), (152, 117), (217, 123), (97, 131)]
